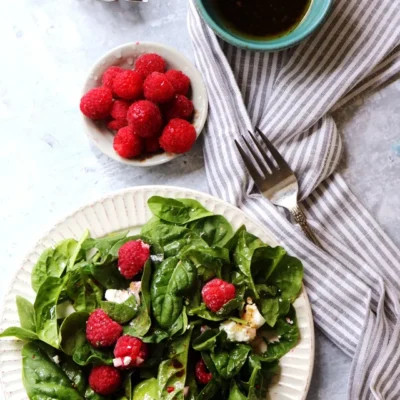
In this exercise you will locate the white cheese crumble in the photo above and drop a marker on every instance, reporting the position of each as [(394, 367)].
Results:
[(259, 346), (253, 316), (127, 361), (117, 296), (238, 332), (134, 288), (56, 359)]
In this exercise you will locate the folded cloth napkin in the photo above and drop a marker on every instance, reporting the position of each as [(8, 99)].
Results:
[(353, 282)]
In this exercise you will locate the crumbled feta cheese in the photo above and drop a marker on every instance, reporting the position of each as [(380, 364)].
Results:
[(134, 288), (117, 296), (127, 360), (289, 321), (204, 328), (186, 391), (253, 316), (271, 336), (238, 332), (56, 359), (117, 362), (139, 360), (259, 346)]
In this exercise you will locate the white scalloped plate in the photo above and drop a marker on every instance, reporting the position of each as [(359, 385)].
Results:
[(128, 209)]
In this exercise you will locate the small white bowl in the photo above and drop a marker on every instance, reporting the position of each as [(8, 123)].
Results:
[(125, 56)]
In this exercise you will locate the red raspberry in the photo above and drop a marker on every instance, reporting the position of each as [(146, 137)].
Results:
[(179, 81), (109, 76), (203, 375), (129, 352), (119, 109), (179, 107), (101, 330), (157, 88), (128, 85), (216, 293), (149, 63), (151, 145), (145, 118), (104, 380), (127, 144), (131, 258), (97, 103), (117, 124), (178, 136)]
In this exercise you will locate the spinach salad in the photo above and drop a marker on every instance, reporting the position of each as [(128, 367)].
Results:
[(237, 347)]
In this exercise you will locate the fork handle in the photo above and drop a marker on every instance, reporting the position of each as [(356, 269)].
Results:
[(301, 219)]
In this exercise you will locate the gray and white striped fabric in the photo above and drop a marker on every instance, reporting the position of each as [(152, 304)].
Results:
[(353, 283)]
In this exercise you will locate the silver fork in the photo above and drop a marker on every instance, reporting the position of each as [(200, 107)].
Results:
[(277, 183)]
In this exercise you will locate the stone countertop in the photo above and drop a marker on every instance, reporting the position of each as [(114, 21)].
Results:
[(48, 168)]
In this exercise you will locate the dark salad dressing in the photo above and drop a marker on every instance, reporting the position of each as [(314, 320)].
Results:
[(261, 18)]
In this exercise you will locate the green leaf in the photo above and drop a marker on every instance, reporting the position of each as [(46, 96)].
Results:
[(104, 245), (108, 276), (180, 326), (163, 232), (53, 262), (73, 332), (209, 391), (229, 363), (269, 290), (146, 390), (171, 279), (19, 333), (82, 289), (142, 323), (121, 312), (208, 340), (26, 314), (288, 332), (235, 393), (74, 374), (269, 308), (172, 372), (76, 253), (85, 354), (214, 230), (202, 312), (179, 211), (43, 379), (90, 394), (45, 310)]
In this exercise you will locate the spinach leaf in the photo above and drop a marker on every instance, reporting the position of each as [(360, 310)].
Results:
[(214, 230), (163, 232), (121, 312), (170, 281), (108, 276), (287, 277), (146, 390), (45, 310), (235, 393), (90, 394), (172, 372), (269, 290), (193, 389), (77, 254), (142, 323), (19, 333), (26, 314), (85, 354), (82, 289), (202, 312), (260, 378), (179, 327), (232, 243), (104, 245), (42, 378), (208, 340), (52, 262), (209, 391), (177, 211), (229, 363), (288, 332), (269, 308), (73, 332), (74, 374), (155, 336)]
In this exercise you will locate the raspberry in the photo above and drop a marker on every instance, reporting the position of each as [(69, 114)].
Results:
[(128, 85), (127, 144), (149, 63), (131, 258), (104, 380), (178, 136), (216, 293), (119, 109), (151, 145), (117, 124), (203, 376), (129, 352), (145, 118), (101, 330), (157, 88), (109, 76), (97, 103), (179, 107), (179, 81)]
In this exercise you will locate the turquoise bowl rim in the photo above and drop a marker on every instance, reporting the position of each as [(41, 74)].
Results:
[(264, 45)]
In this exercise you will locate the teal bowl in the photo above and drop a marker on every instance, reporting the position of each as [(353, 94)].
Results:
[(316, 14)]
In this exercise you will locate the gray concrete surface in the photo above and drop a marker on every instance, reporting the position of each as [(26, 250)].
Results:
[(48, 168)]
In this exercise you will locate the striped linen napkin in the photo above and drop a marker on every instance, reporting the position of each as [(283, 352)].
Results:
[(353, 284)]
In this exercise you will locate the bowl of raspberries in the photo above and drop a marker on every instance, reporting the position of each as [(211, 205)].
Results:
[(144, 104)]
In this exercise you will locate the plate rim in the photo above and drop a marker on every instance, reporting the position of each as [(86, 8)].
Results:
[(167, 188)]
